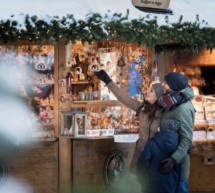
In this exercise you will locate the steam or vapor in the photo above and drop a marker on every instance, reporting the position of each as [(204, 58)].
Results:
[(127, 183), (13, 185), (15, 119)]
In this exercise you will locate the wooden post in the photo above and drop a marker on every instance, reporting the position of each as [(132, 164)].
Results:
[(65, 165)]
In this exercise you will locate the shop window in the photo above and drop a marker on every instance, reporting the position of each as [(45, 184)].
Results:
[(27, 72), (128, 67)]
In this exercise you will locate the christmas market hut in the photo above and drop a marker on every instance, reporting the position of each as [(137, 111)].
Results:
[(68, 131)]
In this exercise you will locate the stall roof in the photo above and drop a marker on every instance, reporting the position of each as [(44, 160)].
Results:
[(80, 8)]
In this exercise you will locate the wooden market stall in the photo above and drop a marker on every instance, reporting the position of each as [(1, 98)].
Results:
[(69, 161), (84, 158), (55, 158), (60, 86)]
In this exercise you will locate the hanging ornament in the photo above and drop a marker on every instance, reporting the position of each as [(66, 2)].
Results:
[(69, 82), (121, 61), (80, 73), (69, 55), (155, 70)]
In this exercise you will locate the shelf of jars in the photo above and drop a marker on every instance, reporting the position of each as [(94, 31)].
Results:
[(79, 82)]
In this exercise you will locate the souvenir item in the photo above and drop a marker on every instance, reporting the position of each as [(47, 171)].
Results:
[(199, 136), (94, 67), (120, 61), (69, 59), (81, 96), (80, 73), (41, 65), (73, 123), (210, 133), (62, 98), (69, 82), (210, 109), (62, 82)]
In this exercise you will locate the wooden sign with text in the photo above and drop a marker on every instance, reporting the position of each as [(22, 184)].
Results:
[(153, 6)]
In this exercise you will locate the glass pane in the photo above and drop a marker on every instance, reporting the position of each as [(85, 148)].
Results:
[(67, 125), (81, 124), (29, 72)]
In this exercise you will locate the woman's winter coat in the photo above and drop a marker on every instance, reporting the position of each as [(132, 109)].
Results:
[(185, 114), (148, 128)]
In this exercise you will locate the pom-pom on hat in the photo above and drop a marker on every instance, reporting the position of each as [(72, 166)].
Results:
[(176, 81), (158, 89)]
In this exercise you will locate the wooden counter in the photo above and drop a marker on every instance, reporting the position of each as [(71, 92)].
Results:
[(43, 169), (88, 156), (34, 169)]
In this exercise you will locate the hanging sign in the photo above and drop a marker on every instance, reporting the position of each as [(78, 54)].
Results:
[(153, 6)]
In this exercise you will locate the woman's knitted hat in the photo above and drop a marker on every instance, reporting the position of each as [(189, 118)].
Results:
[(158, 89), (176, 81)]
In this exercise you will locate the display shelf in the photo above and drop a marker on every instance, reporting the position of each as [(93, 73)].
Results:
[(200, 125), (95, 103), (210, 110), (43, 139), (204, 125), (80, 82), (87, 137)]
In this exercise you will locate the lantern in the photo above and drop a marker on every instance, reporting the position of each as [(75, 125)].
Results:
[(73, 124)]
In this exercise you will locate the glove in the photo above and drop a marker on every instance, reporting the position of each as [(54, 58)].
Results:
[(102, 75), (167, 165)]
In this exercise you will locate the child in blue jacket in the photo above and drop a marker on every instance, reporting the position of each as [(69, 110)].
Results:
[(161, 146)]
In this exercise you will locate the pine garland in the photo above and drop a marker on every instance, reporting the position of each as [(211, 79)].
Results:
[(186, 35)]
